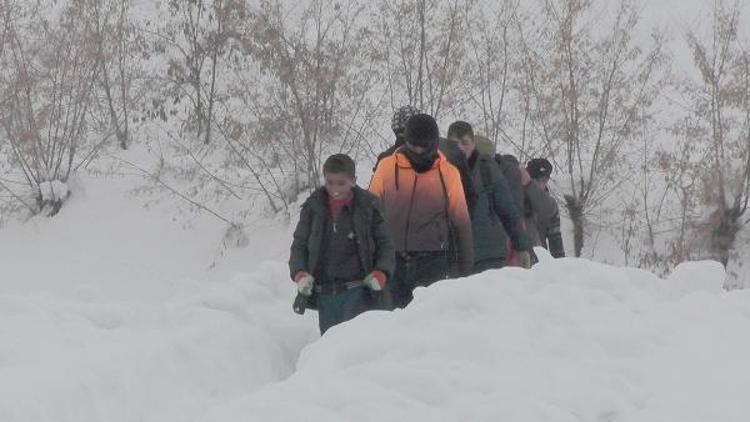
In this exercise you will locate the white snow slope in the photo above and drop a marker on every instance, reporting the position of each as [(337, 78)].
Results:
[(570, 340), (93, 331)]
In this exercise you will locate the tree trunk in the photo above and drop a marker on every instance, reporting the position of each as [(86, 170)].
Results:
[(723, 236), (575, 210), (211, 98)]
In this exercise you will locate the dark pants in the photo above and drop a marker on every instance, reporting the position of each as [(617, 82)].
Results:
[(488, 264), (415, 269), (335, 308)]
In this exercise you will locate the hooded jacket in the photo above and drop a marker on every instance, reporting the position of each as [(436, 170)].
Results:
[(425, 212), (454, 156)]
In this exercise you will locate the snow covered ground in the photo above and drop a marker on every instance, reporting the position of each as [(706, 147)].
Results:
[(111, 312), (570, 340)]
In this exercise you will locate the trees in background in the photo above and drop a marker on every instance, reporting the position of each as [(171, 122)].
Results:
[(47, 86), (716, 129), (591, 89), (239, 101)]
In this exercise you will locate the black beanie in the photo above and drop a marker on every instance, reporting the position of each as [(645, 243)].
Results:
[(422, 131), (539, 167), (400, 117)]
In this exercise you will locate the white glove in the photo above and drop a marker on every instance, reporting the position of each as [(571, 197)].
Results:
[(524, 259), (372, 281), (305, 285)]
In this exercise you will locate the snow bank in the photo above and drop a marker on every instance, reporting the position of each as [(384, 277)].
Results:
[(111, 312), (104, 245), (62, 360), (570, 340)]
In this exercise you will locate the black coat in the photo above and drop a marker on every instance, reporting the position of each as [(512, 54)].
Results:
[(374, 244)]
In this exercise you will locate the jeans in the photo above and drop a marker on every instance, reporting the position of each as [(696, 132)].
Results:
[(335, 308)]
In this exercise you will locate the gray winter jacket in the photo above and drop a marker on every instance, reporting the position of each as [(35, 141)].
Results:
[(543, 220)]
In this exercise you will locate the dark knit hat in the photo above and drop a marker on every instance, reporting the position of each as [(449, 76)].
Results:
[(539, 167), (400, 117), (422, 131)]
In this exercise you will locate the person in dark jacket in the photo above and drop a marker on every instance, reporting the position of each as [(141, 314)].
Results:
[(514, 175), (449, 149), (510, 167), (496, 216), (342, 253), (543, 211), (425, 209)]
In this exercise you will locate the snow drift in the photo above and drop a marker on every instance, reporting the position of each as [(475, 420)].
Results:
[(64, 360), (107, 313), (570, 340)]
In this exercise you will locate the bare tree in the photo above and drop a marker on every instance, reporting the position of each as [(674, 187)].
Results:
[(491, 58), (421, 43), (46, 92), (319, 73), (119, 46), (720, 120), (294, 84), (589, 94), (196, 37)]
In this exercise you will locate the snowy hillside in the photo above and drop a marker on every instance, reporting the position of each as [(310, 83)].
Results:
[(160, 290), (114, 312), (89, 335)]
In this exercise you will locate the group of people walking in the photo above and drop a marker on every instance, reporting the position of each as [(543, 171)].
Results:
[(436, 208)]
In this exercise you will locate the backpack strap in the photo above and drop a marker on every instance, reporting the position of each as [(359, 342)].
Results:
[(451, 246), (395, 171), (484, 169), (445, 193), (486, 172)]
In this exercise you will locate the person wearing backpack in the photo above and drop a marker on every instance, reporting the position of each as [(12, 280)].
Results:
[(342, 253), (496, 216), (544, 211), (514, 175), (425, 210)]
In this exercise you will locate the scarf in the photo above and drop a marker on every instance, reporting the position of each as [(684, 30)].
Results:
[(423, 162)]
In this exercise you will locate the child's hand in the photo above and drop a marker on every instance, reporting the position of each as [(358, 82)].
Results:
[(305, 283), (375, 281)]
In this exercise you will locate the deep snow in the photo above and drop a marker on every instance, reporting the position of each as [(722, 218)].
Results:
[(570, 340), (111, 312)]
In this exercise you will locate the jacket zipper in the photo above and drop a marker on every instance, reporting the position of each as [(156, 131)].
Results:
[(408, 215)]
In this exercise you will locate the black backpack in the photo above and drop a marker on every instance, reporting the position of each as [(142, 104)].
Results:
[(511, 169)]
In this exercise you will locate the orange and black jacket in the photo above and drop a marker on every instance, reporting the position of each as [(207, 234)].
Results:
[(425, 212)]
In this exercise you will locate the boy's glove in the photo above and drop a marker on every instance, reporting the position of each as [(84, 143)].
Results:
[(375, 280), (524, 259), (305, 283)]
